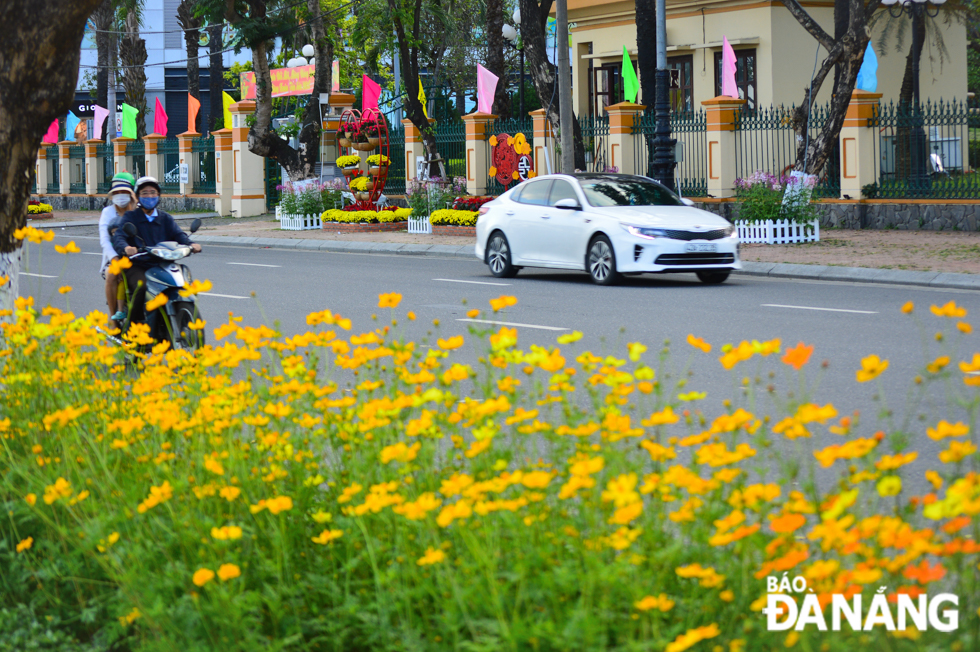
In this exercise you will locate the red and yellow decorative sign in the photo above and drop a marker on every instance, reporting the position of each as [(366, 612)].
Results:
[(511, 159), (285, 82)]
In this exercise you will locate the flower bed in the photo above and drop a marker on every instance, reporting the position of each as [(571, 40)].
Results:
[(39, 211), (239, 497), (776, 210), (449, 216), (367, 217)]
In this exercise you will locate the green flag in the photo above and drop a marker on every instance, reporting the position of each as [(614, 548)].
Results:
[(631, 85), (129, 115)]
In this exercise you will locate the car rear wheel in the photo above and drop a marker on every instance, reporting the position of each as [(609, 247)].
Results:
[(498, 256), (601, 262), (713, 278)]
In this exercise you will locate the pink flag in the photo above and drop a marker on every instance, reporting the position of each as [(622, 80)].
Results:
[(486, 85), (728, 86), (159, 119), (100, 116), (51, 138), (370, 93)]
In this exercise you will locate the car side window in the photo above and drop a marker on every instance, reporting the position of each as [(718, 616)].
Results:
[(535, 192), (561, 190)]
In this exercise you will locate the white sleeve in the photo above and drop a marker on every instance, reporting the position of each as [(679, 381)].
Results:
[(106, 220)]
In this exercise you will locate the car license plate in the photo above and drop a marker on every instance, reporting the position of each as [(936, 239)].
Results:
[(694, 247)]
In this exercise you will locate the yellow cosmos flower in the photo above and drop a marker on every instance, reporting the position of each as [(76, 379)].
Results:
[(938, 364), (502, 302), (226, 533), (158, 301), (229, 493), (961, 326), (4, 280), (452, 343), (70, 248), (117, 266), (431, 556), (908, 307), (692, 637), (228, 572), (956, 452), (946, 429), (327, 536), (64, 289), (698, 343), (890, 485), (871, 367), (661, 602), (950, 310), (635, 350), (25, 544), (31, 499), (196, 287), (202, 576), (568, 338), (390, 300), (197, 325)]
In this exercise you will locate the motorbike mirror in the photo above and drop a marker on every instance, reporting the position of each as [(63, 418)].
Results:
[(195, 225), (129, 228)]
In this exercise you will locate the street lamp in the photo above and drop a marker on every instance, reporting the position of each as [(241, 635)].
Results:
[(916, 9), (663, 165), (511, 35)]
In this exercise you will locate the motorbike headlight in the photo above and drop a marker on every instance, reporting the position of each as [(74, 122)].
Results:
[(643, 232), (171, 254)]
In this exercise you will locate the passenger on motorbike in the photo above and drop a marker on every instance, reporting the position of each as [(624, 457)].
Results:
[(122, 199), (152, 226)]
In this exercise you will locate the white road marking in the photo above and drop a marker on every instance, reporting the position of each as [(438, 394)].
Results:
[(223, 296), (859, 312), (254, 265), (37, 275), (453, 280), (510, 323)]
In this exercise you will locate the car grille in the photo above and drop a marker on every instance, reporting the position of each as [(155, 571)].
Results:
[(695, 235), (695, 259)]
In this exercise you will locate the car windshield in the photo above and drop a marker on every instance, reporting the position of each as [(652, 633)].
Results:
[(627, 192)]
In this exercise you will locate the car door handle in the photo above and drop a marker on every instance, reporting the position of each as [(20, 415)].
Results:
[(587, 221), (545, 217), (510, 213)]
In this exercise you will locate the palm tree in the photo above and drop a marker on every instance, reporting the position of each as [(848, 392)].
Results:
[(105, 42), (132, 53)]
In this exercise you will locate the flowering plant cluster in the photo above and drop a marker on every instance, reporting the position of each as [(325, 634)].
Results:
[(39, 208), (467, 203), (378, 160), (350, 215), (348, 160), (309, 198), (360, 184), (453, 216), (434, 194), (763, 196), (350, 487)]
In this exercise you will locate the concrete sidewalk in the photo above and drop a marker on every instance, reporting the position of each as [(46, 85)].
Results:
[(772, 270)]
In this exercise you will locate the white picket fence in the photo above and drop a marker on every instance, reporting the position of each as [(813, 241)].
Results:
[(288, 222), (778, 232), (419, 224)]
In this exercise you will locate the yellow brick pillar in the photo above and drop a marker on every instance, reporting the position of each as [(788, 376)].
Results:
[(122, 161), (93, 171), (248, 175), (857, 144), (544, 143), (154, 164), (186, 156), (720, 118), (622, 143), (414, 148), (224, 171), (477, 152), (43, 171), (64, 166)]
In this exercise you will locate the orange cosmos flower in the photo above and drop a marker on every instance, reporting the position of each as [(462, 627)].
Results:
[(798, 356)]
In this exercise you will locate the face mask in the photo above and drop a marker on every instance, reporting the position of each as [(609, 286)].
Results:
[(149, 202), (121, 200)]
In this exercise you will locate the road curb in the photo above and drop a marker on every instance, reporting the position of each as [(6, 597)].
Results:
[(64, 225), (771, 270)]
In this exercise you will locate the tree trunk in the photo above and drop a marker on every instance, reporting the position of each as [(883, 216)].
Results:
[(646, 60), (309, 135), (132, 53), (534, 19), (903, 133), (102, 19), (216, 69), (192, 39), (495, 56), (39, 57)]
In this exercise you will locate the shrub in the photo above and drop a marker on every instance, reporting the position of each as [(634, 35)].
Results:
[(761, 197), (310, 198), (39, 209), (451, 216), (470, 203), (368, 217)]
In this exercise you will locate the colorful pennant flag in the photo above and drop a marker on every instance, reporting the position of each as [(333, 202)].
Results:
[(425, 110), (129, 115), (631, 85), (226, 102), (51, 138), (160, 119), (728, 66), (486, 86), (71, 122), (193, 106), (370, 94), (868, 74), (100, 118)]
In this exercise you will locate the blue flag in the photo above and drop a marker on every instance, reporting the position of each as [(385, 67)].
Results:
[(868, 74), (70, 123)]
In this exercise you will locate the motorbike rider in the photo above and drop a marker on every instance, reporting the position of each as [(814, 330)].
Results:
[(153, 225)]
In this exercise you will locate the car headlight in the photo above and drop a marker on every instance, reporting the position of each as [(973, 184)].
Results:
[(643, 232), (730, 230), (171, 254)]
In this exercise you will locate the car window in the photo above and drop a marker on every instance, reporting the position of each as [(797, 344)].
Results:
[(628, 192), (561, 190), (535, 192)]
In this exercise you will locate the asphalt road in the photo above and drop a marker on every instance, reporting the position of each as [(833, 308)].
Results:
[(844, 321)]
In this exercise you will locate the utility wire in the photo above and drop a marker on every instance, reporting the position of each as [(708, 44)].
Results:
[(192, 29)]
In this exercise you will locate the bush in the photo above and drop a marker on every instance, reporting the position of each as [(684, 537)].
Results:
[(760, 198), (451, 216), (39, 209), (310, 198), (435, 194), (359, 491), (467, 203), (366, 217)]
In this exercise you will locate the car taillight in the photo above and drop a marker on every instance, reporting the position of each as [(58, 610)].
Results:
[(483, 210)]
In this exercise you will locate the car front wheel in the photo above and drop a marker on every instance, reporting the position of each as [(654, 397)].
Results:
[(601, 262), (498, 256), (713, 278)]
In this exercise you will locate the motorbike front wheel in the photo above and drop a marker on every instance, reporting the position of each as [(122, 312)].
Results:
[(182, 335)]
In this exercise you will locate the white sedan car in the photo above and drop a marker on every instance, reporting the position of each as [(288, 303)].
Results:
[(605, 224)]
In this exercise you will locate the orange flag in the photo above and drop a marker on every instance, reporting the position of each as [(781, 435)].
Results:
[(193, 106)]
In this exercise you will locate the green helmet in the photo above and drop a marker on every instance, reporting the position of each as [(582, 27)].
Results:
[(125, 176)]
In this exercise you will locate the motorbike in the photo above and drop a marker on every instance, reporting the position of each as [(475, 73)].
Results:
[(166, 276)]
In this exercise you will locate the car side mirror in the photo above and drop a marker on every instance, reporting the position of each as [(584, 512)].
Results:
[(686, 201), (129, 229), (195, 225), (568, 205)]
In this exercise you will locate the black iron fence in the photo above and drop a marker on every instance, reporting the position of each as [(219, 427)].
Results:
[(76, 169), (53, 161), (169, 152), (206, 181), (451, 141), (689, 128), (104, 168)]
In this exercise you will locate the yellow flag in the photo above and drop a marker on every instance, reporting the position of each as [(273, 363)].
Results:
[(422, 98), (226, 101)]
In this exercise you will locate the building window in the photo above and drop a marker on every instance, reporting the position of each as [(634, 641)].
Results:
[(682, 99), (744, 76), (607, 86)]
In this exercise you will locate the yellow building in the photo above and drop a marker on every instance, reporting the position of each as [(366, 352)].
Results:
[(775, 54)]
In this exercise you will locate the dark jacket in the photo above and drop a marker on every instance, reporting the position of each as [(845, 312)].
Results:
[(162, 228)]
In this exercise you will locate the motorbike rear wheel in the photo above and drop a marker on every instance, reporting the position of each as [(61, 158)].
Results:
[(182, 336)]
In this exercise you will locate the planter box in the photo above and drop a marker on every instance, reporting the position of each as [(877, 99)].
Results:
[(348, 227), (40, 216), (288, 222), (778, 232), (452, 229)]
